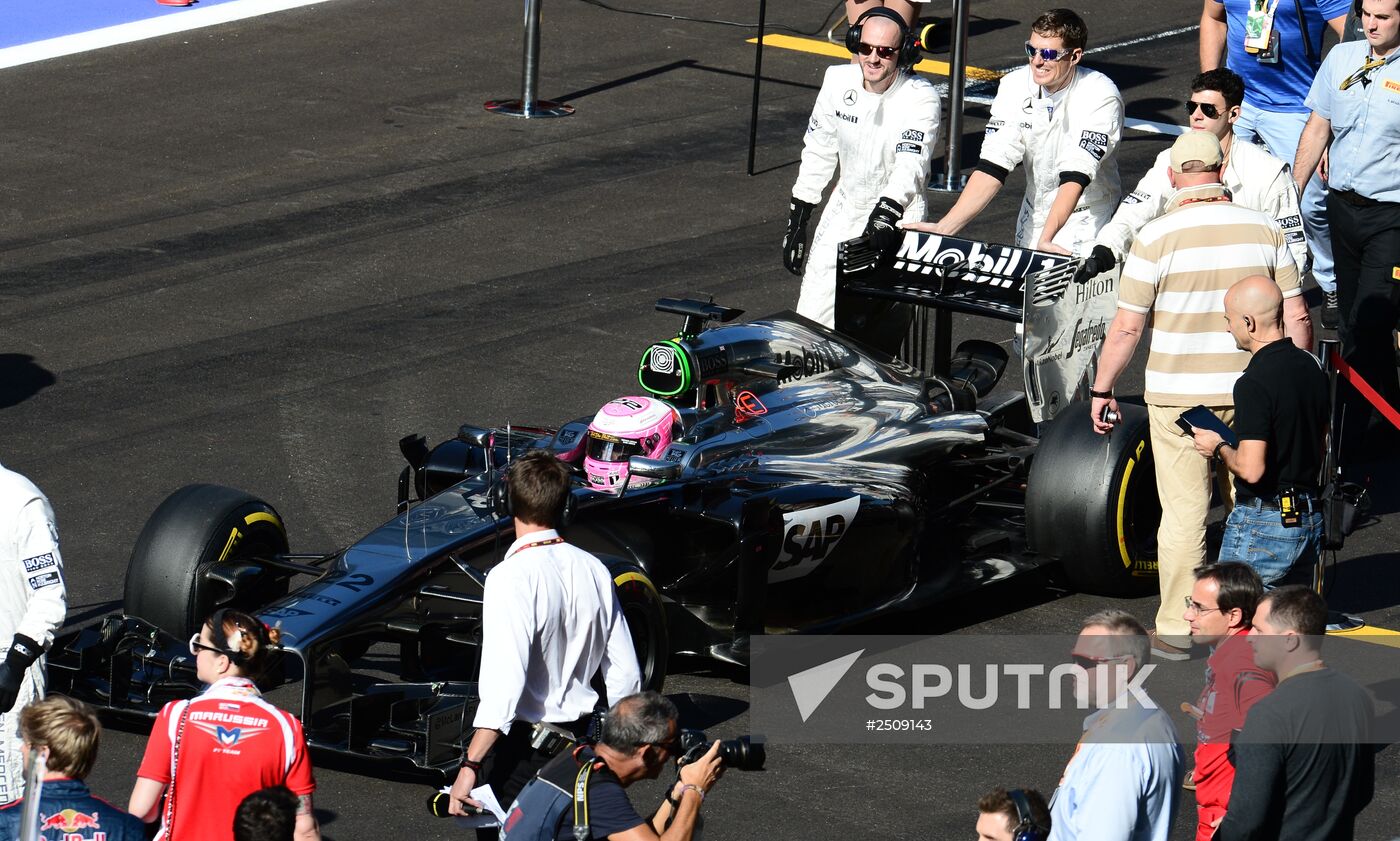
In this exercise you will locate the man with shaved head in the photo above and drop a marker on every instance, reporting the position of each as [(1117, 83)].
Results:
[(1281, 413)]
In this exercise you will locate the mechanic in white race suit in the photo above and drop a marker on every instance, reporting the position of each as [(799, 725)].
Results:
[(1255, 179), (32, 606), (879, 122), (1063, 122)]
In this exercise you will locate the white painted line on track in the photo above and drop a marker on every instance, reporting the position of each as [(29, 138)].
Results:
[(1144, 39), (140, 30)]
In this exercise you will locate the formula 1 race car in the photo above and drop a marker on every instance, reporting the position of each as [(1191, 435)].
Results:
[(814, 481)]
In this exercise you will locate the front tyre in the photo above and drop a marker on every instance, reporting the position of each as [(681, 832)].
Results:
[(646, 619), (194, 529), (1091, 501)]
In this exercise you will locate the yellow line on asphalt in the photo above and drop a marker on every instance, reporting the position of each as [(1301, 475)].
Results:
[(1385, 636), (824, 47)]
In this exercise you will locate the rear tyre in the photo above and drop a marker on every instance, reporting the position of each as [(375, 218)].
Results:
[(646, 619), (1091, 501), (195, 528)]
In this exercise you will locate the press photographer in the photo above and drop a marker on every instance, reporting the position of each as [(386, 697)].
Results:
[(579, 795)]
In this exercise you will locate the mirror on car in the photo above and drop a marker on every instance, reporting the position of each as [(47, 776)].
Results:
[(474, 435), (653, 468)]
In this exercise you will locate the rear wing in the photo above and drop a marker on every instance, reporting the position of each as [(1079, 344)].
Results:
[(1064, 321)]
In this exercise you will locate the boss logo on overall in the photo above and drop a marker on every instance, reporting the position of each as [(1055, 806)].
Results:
[(1095, 143), (39, 562)]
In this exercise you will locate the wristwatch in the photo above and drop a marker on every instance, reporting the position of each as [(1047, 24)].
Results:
[(1103, 395), (1215, 453), (472, 764)]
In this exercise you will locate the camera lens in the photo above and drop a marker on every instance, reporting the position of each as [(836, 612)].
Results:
[(742, 754)]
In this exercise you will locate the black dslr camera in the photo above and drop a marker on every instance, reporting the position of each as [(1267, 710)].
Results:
[(740, 753)]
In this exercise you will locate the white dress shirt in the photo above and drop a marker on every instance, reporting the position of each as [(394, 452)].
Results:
[(1123, 782), (550, 620)]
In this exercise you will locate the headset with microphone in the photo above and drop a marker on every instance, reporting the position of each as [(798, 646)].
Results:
[(908, 44), (1026, 827)]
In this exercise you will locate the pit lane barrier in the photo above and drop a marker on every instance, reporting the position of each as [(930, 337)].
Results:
[(528, 106), (1329, 351), (951, 180)]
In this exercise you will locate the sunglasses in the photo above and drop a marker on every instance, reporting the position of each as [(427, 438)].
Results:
[(672, 747), (1089, 663), (882, 52), (1047, 54), (1208, 109), (196, 646)]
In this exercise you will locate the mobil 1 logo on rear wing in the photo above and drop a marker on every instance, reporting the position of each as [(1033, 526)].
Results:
[(810, 535), (987, 263)]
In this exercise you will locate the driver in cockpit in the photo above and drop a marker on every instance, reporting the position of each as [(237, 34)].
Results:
[(626, 427)]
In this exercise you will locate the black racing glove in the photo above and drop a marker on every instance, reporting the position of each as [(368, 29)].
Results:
[(1099, 261), (883, 229), (795, 240), (23, 652)]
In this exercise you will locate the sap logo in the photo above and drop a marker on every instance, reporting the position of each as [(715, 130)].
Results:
[(994, 126), (850, 118), (1135, 197), (809, 537)]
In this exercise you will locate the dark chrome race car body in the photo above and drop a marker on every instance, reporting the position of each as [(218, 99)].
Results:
[(816, 481)]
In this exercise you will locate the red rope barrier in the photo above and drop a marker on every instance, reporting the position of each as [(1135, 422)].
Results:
[(1372, 396)]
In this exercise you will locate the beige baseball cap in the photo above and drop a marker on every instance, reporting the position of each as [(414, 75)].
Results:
[(1199, 149)]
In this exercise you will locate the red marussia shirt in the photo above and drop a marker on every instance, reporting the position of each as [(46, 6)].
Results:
[(232, 743)]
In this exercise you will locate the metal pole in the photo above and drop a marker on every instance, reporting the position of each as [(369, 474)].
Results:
[(1336, 620), (757, 74), (527, 105), (951, 181)]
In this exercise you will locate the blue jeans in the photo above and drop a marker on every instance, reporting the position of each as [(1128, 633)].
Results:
[(1278, 132), (1254, 535)]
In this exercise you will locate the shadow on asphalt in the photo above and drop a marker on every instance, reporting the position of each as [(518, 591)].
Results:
[(21, 378)]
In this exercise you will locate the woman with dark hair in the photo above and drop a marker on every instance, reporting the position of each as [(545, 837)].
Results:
[(208, 753)]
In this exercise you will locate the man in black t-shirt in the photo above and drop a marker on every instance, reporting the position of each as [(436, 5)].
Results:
[(1304, 764), (639, 737), (1281, 413)]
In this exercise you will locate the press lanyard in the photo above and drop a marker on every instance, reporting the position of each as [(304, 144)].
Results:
[(1206, 199), (549, 542)]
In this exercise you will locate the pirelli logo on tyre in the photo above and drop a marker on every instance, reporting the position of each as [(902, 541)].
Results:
[(1137, 566)]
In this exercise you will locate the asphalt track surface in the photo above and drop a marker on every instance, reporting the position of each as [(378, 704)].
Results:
[(257, 254)]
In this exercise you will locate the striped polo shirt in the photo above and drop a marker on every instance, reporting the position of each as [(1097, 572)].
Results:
[(1179, 269)]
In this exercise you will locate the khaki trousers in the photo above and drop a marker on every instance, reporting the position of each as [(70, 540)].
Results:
[(1183, 486)]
